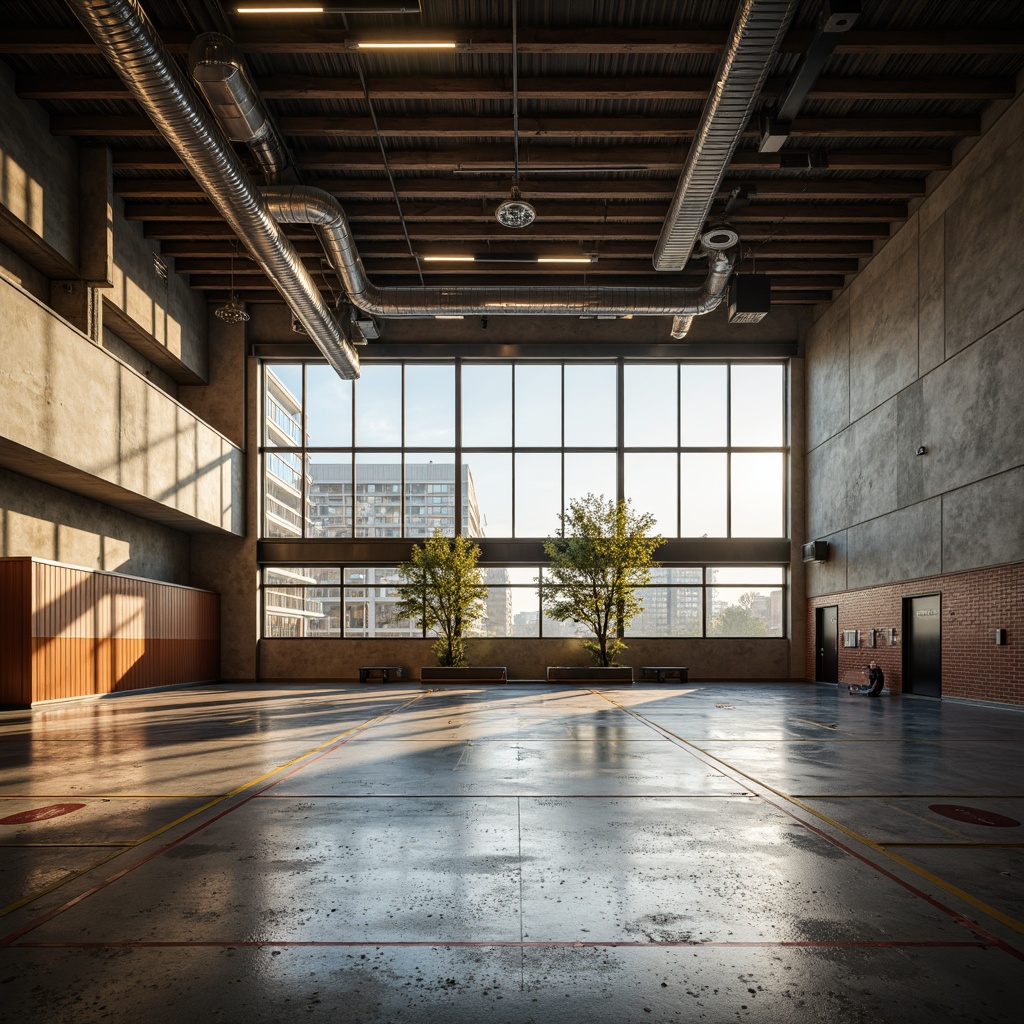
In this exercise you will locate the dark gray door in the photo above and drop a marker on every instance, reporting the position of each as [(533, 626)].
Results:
[(922, 645), (826, 643)]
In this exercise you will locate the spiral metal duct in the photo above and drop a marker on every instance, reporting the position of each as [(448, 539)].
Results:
[(305, 205), (753, 44), (130, 43)]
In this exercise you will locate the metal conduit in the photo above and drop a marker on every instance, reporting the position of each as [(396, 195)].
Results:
[(754, 41), (305, 205), (130, 43)]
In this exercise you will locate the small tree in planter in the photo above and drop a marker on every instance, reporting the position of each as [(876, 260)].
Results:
[(442, 589), (599, 558)]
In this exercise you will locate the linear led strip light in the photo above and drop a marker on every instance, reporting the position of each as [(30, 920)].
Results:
[(509, 257), (355, 7)]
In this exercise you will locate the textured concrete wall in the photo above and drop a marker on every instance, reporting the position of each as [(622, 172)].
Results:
[(38, 172), (74, 415), (925, 349), (167, 310), (524, 658), (41, 521)]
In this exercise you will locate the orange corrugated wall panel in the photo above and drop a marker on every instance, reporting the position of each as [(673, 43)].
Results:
[(95, 632), (15, 630)]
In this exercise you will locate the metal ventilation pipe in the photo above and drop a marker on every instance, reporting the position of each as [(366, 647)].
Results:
[(220, 75), (719, 246), (305, 205), (130, 43), (754, 40)]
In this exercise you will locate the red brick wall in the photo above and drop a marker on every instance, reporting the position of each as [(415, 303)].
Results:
[(974, 605)]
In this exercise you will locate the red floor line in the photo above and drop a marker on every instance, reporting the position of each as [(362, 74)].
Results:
[(12, 937), (729, 772), (508, 944)]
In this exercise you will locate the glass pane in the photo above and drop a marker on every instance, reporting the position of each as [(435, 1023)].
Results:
[(430, 494), (702, 406), (651, 414), (430, 405), (378, 495), (326, 601), (703, 495), (328, 408), (538, 406), (668, 611), (282, 426), (330, 495), (589, 473), (370, 612), (745, 611), (551, 627), (676, 574), (282, 495), (746, 575), (490, 493), (757, 406), (538, 494), (757, 495), (487, 406), (651, 486), (372, 576), (379, 407), (590, 406), (291, 606)]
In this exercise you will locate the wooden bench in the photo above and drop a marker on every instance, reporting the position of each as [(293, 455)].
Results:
[(384, 672), (611, 675), (464, 674), (660, 673)]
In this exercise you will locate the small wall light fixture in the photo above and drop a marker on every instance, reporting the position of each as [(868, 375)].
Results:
[(921, 450), (1000, 638)]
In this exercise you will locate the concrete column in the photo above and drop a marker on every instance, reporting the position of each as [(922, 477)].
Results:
[(96, 216), (80, 304)]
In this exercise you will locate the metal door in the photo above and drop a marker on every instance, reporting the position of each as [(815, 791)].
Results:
[(826, 644), (922, 647)]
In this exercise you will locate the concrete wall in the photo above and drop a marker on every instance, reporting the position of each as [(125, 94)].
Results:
[(925, 349), (75, 416), (47, 522), (524, 658)]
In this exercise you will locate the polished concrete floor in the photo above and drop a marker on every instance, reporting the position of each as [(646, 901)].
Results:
[(720, 852)]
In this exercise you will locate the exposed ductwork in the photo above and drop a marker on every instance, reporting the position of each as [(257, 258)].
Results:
[(303, 205), (220, 75), (754, 41), (129, 42), (131, 45)]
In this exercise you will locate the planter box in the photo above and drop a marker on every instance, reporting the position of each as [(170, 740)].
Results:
[(464, 674), (596, 675)]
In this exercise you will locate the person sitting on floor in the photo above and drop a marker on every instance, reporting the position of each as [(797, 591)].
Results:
[(876, 680)]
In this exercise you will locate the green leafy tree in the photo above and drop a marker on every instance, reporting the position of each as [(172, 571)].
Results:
[(601, 555), (442, 590), (743, 618)]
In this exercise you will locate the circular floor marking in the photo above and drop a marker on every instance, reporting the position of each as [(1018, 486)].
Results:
[(40, 814), (974, 815)]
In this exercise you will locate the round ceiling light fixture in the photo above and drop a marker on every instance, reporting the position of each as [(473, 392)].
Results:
[(515, 212)]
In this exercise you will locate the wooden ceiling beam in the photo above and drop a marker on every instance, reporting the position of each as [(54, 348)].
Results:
[(497, 188), (324, 87), (329, 127), (553, 231), (574, 40), (540, 159), (573, 213)]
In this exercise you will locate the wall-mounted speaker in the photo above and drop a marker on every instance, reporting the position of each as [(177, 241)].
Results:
[(816, 551)]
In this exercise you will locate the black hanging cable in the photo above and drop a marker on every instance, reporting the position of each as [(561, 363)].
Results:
[(515, 93), (384, 157)]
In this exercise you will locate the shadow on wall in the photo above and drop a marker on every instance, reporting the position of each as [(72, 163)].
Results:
[(42, 521)]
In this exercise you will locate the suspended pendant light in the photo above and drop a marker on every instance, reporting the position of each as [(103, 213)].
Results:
[(232, 312), (515, 212)]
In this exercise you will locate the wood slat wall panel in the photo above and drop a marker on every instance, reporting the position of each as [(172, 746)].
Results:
[(15, 630), (95, 632)]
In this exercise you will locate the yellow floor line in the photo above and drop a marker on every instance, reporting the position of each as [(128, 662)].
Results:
[(212, 803), (62, 846), (956, 845), (978, 904)]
